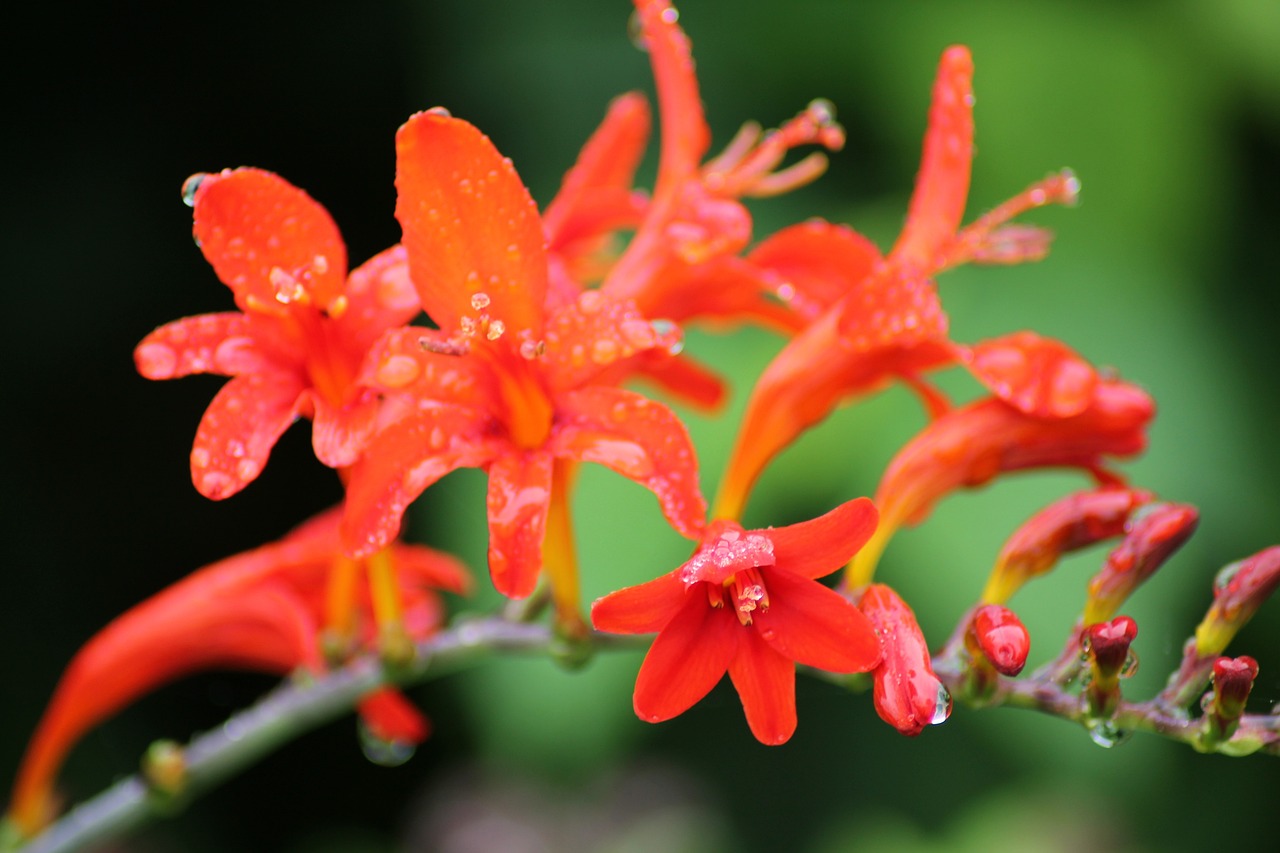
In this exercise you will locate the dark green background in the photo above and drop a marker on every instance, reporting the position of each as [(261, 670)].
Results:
[(1168, 111)]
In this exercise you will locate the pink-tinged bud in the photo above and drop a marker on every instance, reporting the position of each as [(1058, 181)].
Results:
[(907, 694), (1151, 537), (1074, 522), (1001, 637), (1232, 682), (1238, 592), (1110, 659)]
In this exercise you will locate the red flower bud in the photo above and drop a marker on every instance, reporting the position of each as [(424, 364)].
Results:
[(1107, 645), (1001, 637), (907, 694), (1150, 538), (1238, 592)]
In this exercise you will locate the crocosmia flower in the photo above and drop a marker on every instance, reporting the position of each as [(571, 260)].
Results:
[(295, 347), (264, 610), (906, 692), (748, 603), (872, 319), (504, 383)]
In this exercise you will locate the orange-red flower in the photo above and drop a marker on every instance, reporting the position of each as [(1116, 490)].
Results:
[(747, 603), (872, 319), (906, 692), (262, 610), (296, 345), (505, 383)]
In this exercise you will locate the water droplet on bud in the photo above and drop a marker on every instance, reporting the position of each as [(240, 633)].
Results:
[(189, 187), (385, 753)]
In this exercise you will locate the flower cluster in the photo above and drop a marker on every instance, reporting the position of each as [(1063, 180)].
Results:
[(502, 337)]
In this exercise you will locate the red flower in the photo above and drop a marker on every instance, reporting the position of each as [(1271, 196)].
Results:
[(296, 345), (869, 319), (969, 446), (504, 384), (261, 610), (747, 603)]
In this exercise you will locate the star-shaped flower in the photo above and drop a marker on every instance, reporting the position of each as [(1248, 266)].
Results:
[(748, 603)]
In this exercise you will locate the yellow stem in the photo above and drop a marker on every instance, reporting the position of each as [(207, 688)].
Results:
[(560, 557)]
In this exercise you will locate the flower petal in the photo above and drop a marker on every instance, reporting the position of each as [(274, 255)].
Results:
[(642, 609), (684, 378), (685, 136), (380, 296), (686, 659), (596, 195), (814, 625), (209, 343), (391, 717), (402, 460), (1042, 377), (340, 434), (265, 236), (469, 224), (518, 501), (937, 205), (239, 429), (766, 684), (815, 548), (431, 567), (639, 439), (815, 263)]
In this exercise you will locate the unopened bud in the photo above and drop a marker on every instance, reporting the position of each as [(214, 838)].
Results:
[(1110, 659), (1238, 592), (1001, 637), (907, 694), (1151, 537)]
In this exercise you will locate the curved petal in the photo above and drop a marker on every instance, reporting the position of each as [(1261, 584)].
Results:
[(685, 136), (815, 626), (518, 501), (766, 684), (638, 438), (942, 186), (815, 548), (432, 567), (402, 460), (1041, 377), (469, 224), (239, 429), (268, 241), (815, 263), (411, 359), (209, 343), (597, 333), (686, 660), (380, 296), (641, 609), (602, 178), (684, 378), (340, 434)]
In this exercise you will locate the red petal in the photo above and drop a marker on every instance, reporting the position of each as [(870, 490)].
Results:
[(469, 225), (239, 429), (340, 435), (937, 206), (639, 439), (401, 461), (686, 660), (518, 501), (815, 626), (391, 717), (1042, 377), (402, 361), (766, 684), (433, 568), (256, 229), (815, 263), (813, 549), (602, 178), (380, 296), (209, 343), (689, 381), (641, 609)]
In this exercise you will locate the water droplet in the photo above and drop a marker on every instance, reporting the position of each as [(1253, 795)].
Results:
[(604, 351), (215, 484), (1107, 734), (189, 187), (385, 753), (320, 264), (200, 457), (941, 707), (248, 469), (590, 301), (437, 438), (397, 371), (235, 448), (670, 15), (532, 349), (495, 330), (479, 300), (822, 110), (1130, 665), (439, 111)]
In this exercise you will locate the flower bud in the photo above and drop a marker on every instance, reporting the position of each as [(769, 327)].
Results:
[(907, 694), (1107, 646), (1238, 592), (1001, 637), (1151, 537)]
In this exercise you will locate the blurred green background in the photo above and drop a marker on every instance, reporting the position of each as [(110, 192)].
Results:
[(1168, 111)]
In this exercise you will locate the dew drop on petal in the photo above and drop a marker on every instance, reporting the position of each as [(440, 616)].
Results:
[(590, 301), (200, 457), (439, 111), (247, 469), (189, 187), (215, 484), (479, 300), (385, 753), (604, 351), (397, 371)]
